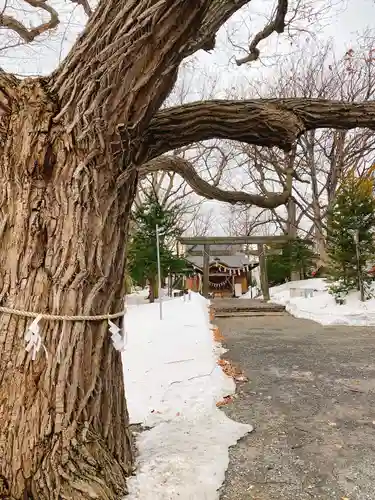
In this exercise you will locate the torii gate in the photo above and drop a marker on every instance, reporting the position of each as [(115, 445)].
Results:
[(260, 241)]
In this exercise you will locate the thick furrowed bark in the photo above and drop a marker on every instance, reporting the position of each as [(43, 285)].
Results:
[(63, 224), (64, 206), (265, 122), (125, 64)]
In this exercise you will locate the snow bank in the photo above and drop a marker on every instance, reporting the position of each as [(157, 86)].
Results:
[(172, 384), (321, 307)]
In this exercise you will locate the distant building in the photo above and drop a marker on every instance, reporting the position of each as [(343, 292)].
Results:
[(229, 269)]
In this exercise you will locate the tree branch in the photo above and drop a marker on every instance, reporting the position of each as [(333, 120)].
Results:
[(203, 188), (28, 35), (265, 122), (277, 24), (218, 13), (85, 5)]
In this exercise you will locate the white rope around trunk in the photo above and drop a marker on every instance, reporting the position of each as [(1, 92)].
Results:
[(59, 317), (33, 338)]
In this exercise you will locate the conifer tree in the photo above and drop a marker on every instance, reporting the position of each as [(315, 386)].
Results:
[(143, 249), (351, 220), (296, 255)]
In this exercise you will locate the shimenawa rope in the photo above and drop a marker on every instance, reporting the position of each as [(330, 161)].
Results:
[(34, 341), (59, 317)]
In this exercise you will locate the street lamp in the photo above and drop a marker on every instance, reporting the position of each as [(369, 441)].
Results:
[(159, 271)]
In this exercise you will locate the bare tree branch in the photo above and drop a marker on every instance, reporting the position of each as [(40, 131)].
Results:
[(277, 24), (28, 35), (85, 5), (217, 14), (90, 83), (201, 224), (265, 122), (203, 188)]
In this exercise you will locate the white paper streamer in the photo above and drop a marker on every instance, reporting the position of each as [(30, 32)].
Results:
[(33, 339), (119, 340)]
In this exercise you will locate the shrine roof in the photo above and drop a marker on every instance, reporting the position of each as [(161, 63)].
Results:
[(232, 261)]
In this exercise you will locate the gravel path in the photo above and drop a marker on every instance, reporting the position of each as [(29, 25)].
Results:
[(310, 397)]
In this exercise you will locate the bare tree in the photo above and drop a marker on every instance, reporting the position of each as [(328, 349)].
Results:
[(203, 224), (172, 192), (321, 156), (326, 154), (71, 147)]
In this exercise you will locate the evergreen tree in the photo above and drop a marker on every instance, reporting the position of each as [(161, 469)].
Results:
[(296, 255), (352, 218), (142, 256)]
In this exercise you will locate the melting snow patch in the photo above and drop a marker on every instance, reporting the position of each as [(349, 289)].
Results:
[(173, 383)]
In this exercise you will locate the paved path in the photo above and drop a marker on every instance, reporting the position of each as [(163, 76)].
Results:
[(311, 399)]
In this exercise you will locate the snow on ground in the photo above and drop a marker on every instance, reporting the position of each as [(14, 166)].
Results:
[(321, 307), (172, 385)]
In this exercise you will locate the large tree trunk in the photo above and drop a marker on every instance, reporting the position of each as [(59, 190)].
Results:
[(67, 186), (63, 426), (65, 196)]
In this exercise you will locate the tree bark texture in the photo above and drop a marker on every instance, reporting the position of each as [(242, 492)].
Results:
[(63, 426), (65, 197), (67, 183), (265, 122)]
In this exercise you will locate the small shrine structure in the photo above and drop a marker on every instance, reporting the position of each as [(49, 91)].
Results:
[(215, 267), (229, 270)]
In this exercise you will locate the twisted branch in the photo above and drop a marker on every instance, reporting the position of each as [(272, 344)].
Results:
[(277, 24), (185, 169), (28, 35)]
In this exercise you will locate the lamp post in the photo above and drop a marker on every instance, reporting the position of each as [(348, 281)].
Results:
[(159, 271)]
